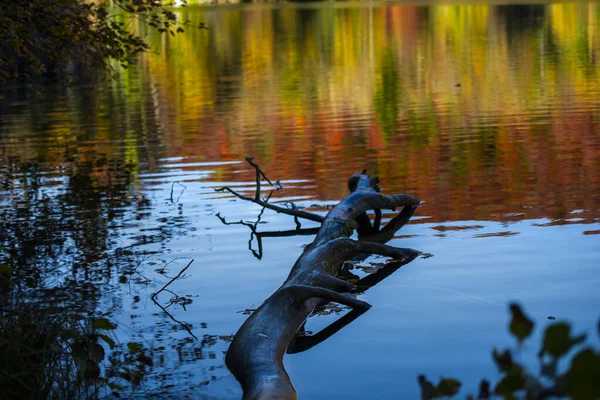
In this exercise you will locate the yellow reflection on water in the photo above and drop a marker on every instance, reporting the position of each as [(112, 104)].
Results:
[(458, 102), (481, 109)]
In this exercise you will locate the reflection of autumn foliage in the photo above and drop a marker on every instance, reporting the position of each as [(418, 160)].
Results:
[(480, 110), (478, 113)]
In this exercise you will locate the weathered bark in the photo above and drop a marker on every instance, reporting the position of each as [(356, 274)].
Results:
[(255, 356)]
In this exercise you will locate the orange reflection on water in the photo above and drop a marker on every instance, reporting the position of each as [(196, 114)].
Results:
[(486, 112)]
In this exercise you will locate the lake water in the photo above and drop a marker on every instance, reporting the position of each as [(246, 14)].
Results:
[(488, 113)]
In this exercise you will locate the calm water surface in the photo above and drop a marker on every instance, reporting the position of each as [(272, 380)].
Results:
[(491, 114)]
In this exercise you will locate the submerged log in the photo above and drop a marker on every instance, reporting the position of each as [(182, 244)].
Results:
[(255, 356)]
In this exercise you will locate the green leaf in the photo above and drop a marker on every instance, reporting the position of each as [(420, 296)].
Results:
[(558, 341), (96, 352), (503, 360), (134, 347), (126, 375), (68, 334), (578, 339), (5, 269), (78, 352), (484, 390), (510, 384), (108, 340), (145, 360), (427, 388), (130, 376), (103, 323), (520, 325), (533, 386), (91, 370), (447, 387), (584, 376)]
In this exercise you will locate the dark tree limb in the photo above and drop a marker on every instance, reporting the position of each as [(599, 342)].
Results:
[(303, 343), (296, 213), (255, 356), (259, 173), (293, 212), (301, 293), (333, 283), (394, 225), (185, 325), (288, 233)]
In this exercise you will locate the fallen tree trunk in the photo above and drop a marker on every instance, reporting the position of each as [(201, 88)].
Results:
[(255, 356)]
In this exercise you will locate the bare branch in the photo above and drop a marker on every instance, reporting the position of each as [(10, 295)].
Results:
[(172, 280), (185, 326), (282, 210), (305, 292), (265, 203), (164, 288), (228, 189), (258, 170), (255, 356)]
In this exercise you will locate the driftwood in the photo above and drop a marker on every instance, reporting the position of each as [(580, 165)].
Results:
[(255, 356)]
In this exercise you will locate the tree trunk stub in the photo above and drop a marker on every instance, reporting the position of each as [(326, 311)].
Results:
[(255, 356)]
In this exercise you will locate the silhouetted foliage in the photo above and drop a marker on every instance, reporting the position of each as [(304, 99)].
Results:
[(62, 260), (580, 381), (46, 38)]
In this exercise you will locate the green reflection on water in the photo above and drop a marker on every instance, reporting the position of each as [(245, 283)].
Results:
[(431, 97)]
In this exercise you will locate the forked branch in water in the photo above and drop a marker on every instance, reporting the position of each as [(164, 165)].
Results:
[(265, 203), (255, 356)]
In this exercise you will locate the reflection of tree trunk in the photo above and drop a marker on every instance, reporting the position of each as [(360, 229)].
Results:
[(255, 356)]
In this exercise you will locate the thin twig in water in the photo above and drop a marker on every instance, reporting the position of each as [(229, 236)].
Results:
[(164, 271), (258, 170), (185, 326), (173, 279), (266, 201), (172, 292), (172, 186)]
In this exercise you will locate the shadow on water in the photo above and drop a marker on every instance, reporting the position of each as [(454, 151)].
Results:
[(257, 235), (68, 265)]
